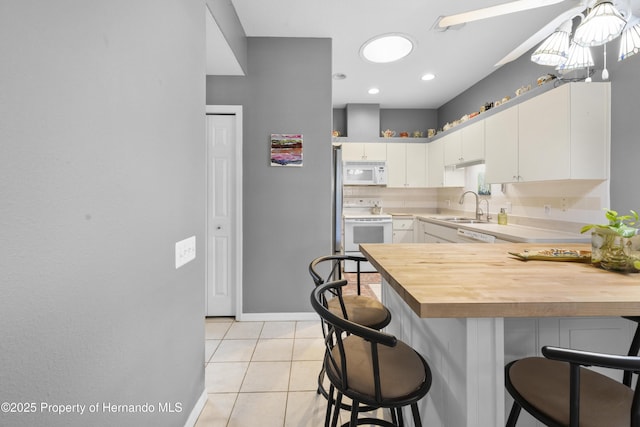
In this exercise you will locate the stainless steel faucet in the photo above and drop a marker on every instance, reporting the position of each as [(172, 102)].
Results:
[(487, 211), (461, 201)]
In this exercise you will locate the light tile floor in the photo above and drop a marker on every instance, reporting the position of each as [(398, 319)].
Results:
[(263, 374)]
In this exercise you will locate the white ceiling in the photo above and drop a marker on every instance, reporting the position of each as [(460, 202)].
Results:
[(458, 57)]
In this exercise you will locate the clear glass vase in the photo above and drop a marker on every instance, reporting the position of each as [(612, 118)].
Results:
[(613, 252)]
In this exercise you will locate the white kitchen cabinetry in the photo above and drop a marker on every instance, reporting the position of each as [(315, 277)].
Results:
[(406, 165), (364, 151), (567, 130), (524, 337), (501, 146), (561, 134), (437, 174), (465, 145), (402, 230), (435, 163), (429, 232)]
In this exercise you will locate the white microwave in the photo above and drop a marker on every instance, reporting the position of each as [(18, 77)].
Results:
[(364, 173)]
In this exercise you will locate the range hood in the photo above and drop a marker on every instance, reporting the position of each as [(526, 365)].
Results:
[(363, 121)]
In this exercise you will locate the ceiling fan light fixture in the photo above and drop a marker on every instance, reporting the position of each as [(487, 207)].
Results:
[(629, 42), (387, 48), (603, 24), (554, 51), (579, 57)]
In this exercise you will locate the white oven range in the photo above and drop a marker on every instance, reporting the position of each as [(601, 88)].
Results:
[(365, 228)]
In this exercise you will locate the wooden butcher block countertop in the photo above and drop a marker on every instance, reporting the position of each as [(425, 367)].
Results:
[(483, 280)]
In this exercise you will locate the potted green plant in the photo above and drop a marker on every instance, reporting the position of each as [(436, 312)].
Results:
[(616, 245)]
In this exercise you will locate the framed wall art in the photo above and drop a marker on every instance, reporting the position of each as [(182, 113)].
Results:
[(286, 149)]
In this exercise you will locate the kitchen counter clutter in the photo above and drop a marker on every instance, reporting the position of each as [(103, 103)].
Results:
[(471, 308)]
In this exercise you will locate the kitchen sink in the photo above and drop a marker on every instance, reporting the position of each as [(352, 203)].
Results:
[(460, 220)]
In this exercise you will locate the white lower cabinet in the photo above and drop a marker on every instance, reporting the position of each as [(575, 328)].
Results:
[(526, 336), (468, 356), (428, 232), (403, 230)]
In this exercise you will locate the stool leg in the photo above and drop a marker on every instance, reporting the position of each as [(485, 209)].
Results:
[(354, 413), (336, 412), (513, 415), (633, 351), (416, 415), (327, 418)]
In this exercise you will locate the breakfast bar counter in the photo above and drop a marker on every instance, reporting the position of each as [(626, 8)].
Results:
[(472, 308), (481, 280)]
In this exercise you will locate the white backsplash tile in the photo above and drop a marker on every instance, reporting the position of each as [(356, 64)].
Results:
[(571, 203)]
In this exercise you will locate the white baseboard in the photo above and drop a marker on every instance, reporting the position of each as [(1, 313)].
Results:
[(197, 409), (276, 317)]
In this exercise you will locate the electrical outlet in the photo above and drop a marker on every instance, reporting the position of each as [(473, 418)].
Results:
[(547, 210), (564, 204), (185, 251), (509, 207), (448, 202)]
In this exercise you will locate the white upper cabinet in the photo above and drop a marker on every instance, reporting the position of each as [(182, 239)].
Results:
[(371, 151), (437, 174), (501, 146), (435, 163), (406, 165), (465, 145), (561, 134)]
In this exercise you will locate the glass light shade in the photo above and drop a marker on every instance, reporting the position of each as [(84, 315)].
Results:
[(603, 24), (387, 48), (629, 42), (579, 57), (555, 49)]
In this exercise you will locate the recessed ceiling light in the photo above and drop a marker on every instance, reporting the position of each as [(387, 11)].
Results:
[(428, 76), (374, 91), (387, 48), (339, 76)]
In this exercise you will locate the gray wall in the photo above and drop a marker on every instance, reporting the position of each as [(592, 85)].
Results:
[(625, 99), (102, 170), (287, 210), (408, 119)]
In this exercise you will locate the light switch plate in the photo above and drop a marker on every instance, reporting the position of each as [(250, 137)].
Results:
[(185, 251)]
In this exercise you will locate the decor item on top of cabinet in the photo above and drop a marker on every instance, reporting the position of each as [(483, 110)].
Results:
[(388, 133), (335, 133), (523, 89), (544, 79), (286, 149), (486, 107), (418, 134), (431, 133), (616, 246), (404, 134)]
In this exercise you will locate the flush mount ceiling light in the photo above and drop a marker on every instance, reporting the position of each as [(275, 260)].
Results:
[(603, 24), (373, 91), (629, 42), (387, 48), (555, 49), (427, 77)]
